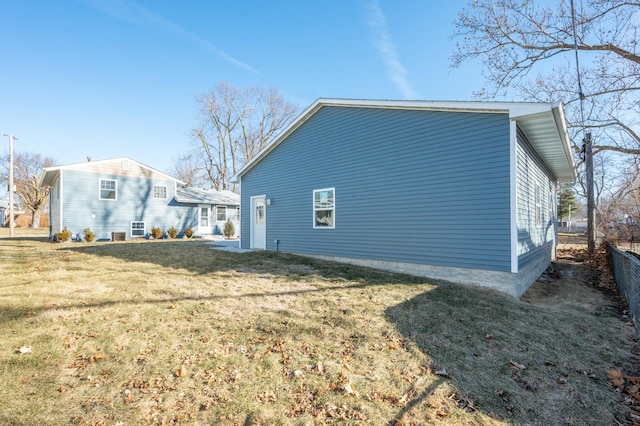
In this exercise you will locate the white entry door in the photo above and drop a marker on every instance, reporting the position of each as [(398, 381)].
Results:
[(259, 222), (204, 219)]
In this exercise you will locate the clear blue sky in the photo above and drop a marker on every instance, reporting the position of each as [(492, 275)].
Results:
[(111, 78)]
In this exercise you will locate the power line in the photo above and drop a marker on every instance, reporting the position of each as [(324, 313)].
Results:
[(587, 151), (575, 48)]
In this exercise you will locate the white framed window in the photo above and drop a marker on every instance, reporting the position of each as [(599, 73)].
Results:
[(204, 216), (160, 192), (221, 213), (538, 202), (137, 229), (324, 208), (108, 189)]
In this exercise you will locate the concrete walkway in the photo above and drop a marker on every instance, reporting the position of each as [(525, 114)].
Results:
[(228, 245)]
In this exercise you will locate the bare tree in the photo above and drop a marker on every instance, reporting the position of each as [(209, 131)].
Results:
[(186, 169), (514, 39), (235, 125), (28, 168)]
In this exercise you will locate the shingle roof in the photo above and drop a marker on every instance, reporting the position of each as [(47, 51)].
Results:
[(206, 196)]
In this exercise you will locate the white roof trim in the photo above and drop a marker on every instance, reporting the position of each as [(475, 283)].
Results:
[(516, 110), (49, 170)]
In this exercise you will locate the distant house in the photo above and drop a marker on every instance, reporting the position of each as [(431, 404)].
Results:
[(123, 198), (461, 191), (4, 212)]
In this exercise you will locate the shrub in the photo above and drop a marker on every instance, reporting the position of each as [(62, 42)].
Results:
[(64, 235), (188, 232), (229, 229), (156, 233), (172, 232), (88, 235)]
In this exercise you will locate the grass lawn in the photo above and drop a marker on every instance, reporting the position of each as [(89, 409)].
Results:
[(173, 332)]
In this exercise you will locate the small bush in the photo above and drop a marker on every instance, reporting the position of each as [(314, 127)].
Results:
[(172, 232), (156, 233), (229, 229), (64, 235), (188, 232), (88, 235)]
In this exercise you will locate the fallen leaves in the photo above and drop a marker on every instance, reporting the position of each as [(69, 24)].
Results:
[(180, 371), (629, 386), (517, 365)]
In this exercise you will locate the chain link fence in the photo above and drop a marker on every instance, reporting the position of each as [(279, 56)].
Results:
[(626, 270)]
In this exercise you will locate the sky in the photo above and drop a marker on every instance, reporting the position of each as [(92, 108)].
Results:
[(120, 78)]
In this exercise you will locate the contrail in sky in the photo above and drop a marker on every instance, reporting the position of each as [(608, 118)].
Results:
[(140, 16), (382, 41)]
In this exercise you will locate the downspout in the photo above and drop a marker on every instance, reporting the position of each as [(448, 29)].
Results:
[(513, 192)]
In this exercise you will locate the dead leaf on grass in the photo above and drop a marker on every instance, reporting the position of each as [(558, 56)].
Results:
[(616, 378), (181, 371), (98, 357), (517, 365), (442, 372), (348, 388)]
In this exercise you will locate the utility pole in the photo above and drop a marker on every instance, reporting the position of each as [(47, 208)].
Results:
[(11, 213), (591, 204)]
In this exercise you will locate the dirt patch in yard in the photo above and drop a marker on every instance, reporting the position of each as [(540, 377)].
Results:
[(576, 281), (571, 278)]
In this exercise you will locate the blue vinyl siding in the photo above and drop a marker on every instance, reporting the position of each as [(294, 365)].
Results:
[(412, 186), (534, 239), (135, 202)]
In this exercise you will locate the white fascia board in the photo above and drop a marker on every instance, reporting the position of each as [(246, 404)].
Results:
[(304, 116), (139, 164), (561, 124), (514, 109)]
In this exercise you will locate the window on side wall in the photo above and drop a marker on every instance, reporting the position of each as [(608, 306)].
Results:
[(108, 189), (221, 213), (160, 192), (324, 208), (538, 206), (137, 229)]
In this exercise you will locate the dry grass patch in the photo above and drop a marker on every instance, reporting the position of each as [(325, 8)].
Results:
[(174, 332)]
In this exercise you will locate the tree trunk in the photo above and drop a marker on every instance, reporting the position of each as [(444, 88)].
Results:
[(35, 223)]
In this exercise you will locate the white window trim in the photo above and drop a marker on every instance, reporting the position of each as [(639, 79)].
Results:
[(159, 187), (313, 206), (144, 228), (100, 190), (225, 213), (208, 217)]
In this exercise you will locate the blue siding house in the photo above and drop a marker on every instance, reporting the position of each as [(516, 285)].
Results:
[(461, 191), (126, 197)]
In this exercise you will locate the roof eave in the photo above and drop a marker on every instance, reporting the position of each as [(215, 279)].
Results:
[(516, 110)]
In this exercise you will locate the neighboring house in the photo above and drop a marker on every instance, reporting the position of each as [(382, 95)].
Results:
[(125, 197), (461, 191), (214, 209), (4, 212)]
